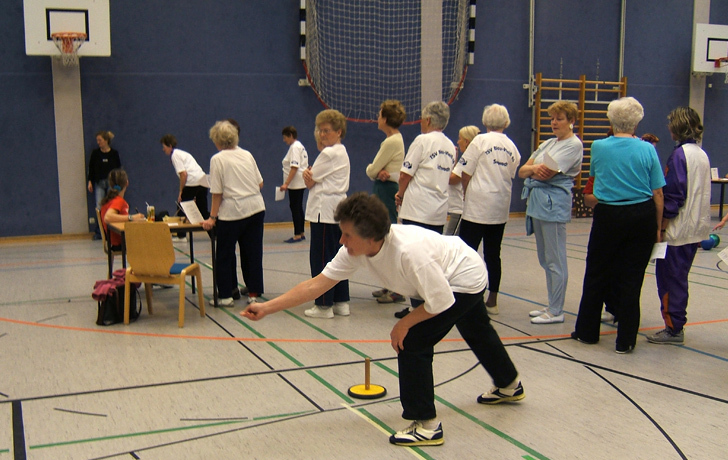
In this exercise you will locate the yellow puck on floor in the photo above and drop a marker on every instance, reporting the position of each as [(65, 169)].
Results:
[(362, 392), (367, 390)]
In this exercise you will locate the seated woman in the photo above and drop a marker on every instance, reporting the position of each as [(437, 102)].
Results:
[(113, 206)]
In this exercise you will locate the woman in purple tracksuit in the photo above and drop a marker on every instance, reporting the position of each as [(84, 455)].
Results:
[(685, 221)]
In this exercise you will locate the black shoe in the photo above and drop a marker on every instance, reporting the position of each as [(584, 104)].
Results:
[(623, 349), (97, 236), (576, 337), (240, 292), (401, 314)]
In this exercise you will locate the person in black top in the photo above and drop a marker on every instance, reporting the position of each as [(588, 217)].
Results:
[(103, 160)]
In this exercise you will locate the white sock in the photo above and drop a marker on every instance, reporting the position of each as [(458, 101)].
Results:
[(430, 424), (513, 384)]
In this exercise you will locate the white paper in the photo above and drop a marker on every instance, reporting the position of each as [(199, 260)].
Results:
[(280, 194), (191, 211), (550, 163), (658, 251), (724, 255)]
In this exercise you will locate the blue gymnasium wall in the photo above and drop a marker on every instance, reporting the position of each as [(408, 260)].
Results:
[(243, 62)]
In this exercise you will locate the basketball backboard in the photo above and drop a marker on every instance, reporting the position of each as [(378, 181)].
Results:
[(710, 43), (45, 17)]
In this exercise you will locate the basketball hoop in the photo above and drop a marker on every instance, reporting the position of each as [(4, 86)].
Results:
[(720, 62), (68, 44)]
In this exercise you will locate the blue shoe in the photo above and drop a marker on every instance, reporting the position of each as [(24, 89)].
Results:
[(294, 240)]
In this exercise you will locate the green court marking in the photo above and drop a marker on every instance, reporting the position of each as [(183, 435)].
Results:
[(370, 416), (167, 430), (346, 398), (386, 428), (492, 429), (528, 457)]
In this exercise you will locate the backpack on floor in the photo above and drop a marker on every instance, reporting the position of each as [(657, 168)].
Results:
[(110, 297)]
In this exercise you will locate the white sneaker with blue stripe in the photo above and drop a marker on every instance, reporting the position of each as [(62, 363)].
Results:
[(417, 435)]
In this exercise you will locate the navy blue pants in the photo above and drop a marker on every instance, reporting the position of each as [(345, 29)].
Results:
[(324, 246), (248, 234)]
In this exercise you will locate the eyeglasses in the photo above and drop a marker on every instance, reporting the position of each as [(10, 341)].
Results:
[(325, 131)]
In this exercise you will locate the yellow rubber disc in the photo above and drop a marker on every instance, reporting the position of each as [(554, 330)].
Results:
[(361, 392)]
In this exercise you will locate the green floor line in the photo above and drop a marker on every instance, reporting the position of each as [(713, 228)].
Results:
[(492, 429), (379, 422), (164, 430)]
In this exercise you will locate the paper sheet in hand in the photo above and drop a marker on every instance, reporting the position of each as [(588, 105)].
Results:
[(191, 211), (724, 255), (280, 194), (658, 251), (550, 163)]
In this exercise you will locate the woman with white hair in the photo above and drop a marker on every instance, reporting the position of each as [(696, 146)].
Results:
[(455, 196), (625, 226), (487, 169), (238, 213), (425, 176)]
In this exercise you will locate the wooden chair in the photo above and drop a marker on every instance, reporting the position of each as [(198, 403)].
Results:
[(150, 258), (107, 243)]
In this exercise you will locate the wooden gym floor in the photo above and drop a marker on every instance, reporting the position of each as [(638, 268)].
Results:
[(226, 388)]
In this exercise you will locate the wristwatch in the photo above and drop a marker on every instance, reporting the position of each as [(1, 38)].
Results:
[(130, 218)]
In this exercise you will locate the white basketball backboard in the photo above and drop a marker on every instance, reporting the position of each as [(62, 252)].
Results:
[(710, 43), (44, 17)]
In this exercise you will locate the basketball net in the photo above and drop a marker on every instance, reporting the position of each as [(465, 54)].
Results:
[(357, 54), (68, 44), (720, 62)]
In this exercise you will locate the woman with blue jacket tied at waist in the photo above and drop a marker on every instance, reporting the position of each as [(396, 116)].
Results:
[(685, 221), (549, 175)]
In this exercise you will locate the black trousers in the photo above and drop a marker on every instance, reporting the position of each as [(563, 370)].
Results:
[(620, 244), (468, 314), (492, 236), (199, 194), (295, 202)]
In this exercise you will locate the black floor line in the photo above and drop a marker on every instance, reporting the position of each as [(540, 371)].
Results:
[(626, 374), (79, 412), (19, 452), (644, 412)]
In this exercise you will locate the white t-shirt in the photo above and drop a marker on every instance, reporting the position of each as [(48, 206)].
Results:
[(419, 263), (429, 160), (567, 153), (331, 174), (491, 160), (184, 162), (296, 157), (235, 174), (455, 199)]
